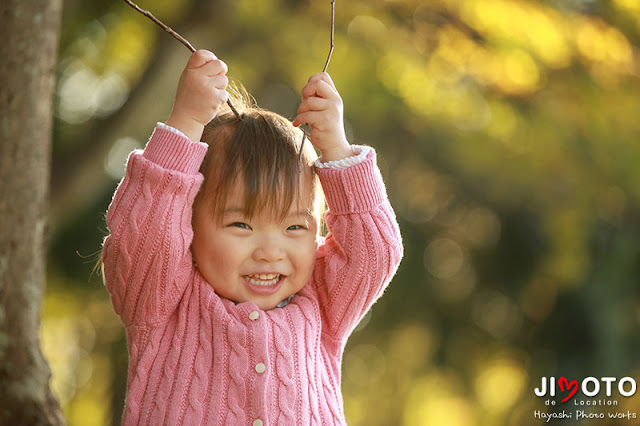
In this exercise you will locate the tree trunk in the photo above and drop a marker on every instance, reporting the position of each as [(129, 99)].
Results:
[(29, 34)]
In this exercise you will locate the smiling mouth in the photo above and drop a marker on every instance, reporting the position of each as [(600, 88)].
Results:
[(263, 280)]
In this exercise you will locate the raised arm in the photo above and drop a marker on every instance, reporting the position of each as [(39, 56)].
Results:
[(146, 256), (364, 247), (147, 251)]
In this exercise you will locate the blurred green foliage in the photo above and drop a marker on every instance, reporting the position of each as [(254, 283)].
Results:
[(508, 135)]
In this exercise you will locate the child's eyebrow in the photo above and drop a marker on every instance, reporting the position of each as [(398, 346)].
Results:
[(294, 214), (233, 209), (300, 213)]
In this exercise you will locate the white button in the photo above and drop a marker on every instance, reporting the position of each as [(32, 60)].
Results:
[(260, 368), (257, 422), (254, 315)]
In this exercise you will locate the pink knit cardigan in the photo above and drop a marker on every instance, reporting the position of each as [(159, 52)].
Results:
[(198, 359)]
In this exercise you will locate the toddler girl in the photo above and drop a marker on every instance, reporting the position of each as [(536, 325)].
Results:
[(236, 311)]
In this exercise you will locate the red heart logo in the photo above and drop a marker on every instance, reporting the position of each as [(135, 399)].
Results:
[(570, 385)]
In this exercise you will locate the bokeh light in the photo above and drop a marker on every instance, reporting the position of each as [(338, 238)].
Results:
[(507, 135)]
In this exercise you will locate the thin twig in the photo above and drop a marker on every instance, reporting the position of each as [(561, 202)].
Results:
[(326, 65), (333, 29), (178, 37), (161, 25)]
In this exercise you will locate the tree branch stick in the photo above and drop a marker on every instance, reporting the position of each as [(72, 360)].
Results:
[(333, 29), (326, 65), (178, 37)]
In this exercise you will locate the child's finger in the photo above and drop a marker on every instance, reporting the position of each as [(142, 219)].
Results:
[(222, 95), (200, 57), (311, 118), (316, 88), (315, 104), (323, 76), (214, 67), (314, 117), (302, 109), (319, 88), (220, 81)]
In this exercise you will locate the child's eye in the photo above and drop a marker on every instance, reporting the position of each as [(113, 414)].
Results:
[(296, 227), (240, 225)]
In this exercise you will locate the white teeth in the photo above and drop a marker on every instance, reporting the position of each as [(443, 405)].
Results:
[(263, 279), (267, 276)]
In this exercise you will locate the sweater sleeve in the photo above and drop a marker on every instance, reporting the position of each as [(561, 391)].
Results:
[(363, 248), (146, 256)]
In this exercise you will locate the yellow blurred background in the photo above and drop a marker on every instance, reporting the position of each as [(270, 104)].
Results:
[(508, 135)]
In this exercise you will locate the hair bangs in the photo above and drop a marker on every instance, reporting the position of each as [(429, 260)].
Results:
[(264, 157), (260, 152)]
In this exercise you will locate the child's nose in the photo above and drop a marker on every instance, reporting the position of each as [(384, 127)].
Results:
[(268, 251)]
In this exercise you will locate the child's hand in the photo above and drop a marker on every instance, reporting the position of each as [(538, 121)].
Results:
[(322, 109), (201, 91)]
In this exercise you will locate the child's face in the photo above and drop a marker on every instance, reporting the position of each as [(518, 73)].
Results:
[(262, 259)]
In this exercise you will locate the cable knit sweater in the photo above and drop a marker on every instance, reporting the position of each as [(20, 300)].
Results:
[(196, 358)]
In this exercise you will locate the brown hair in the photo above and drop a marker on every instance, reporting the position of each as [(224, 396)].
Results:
[(263, 149)]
